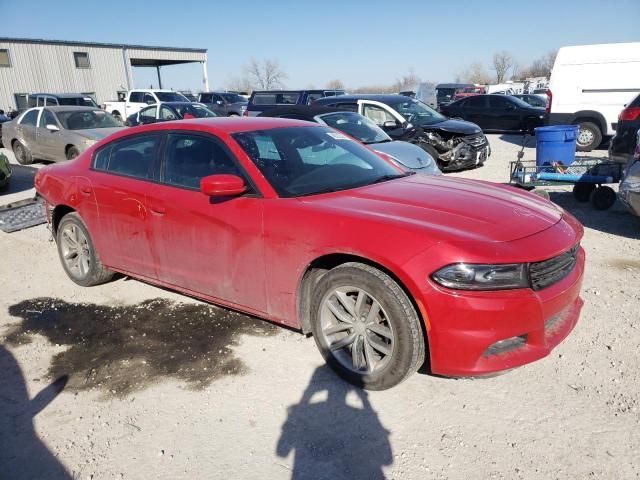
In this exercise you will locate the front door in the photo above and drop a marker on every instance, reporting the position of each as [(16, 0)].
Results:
[(49, 145), (503, 114), (124, 173), (383, 116), (209, 246), (26, 130)]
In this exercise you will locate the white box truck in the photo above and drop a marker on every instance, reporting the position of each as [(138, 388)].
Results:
[(589, 87)]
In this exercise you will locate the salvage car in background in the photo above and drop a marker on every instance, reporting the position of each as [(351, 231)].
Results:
[(5, 172), (454, 144), (383, 266), (167, 111), (497, 113), (224, 104), (624, 142), (57, 133), (405, 154)]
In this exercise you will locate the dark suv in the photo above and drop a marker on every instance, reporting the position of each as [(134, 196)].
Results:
[(224, 104), (264, 100), (623, 143), (60, 99)]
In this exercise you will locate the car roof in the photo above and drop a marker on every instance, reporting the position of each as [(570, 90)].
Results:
[(309, 112), (378, 97), (61, 95), (68, 108), (313, 90), (175, 104)]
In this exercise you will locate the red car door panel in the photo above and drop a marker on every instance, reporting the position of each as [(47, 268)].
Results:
[(210, 246)]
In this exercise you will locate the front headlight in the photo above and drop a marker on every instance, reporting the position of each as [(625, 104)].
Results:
[(469, 276)]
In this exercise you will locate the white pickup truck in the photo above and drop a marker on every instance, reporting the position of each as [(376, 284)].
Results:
[(135, 100)]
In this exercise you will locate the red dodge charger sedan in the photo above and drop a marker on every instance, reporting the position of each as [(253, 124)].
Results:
[(299, 224)]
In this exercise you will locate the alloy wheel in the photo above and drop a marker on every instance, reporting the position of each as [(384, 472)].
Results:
[(585, 136), (356, 330), (75, 251)]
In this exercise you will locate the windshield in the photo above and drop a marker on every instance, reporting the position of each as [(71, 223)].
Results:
[(198, 111), (77, 101), (171, 97), (233, 98), (417, 113), (357, 126), (309, 160), (85, 119)]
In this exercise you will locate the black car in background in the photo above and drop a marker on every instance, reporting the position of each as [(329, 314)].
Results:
[(454, 144), (3, 118), (224, 104), (446, 91), (501, 113), (540, 101), (264, 100), (168, 111), (624, 142)]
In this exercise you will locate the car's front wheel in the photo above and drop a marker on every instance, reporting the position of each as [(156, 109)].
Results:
[(589, 137), (366, 327), (72, 152), (78, 254)]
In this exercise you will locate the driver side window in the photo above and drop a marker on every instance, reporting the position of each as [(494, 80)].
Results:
[(378, 115)]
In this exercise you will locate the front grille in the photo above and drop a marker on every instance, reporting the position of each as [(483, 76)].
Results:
[(547, 272), (475, 140)]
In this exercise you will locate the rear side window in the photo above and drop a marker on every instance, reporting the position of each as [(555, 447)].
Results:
[(47, 118), (264, 99), (134, 157), (30, 118), (474, 102), (136, 97), (275, 98), (206, 97), (190, 158), (496, 101), (50, 101)]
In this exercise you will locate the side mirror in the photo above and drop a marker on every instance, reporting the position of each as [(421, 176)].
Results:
[(52, 128), (390, 124), (222, 185), (219, 102)]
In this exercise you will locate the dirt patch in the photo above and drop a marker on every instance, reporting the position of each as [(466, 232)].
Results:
[(626, 264), (126, 348)]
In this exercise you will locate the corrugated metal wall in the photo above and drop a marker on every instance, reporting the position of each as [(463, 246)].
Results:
[(42, 67)]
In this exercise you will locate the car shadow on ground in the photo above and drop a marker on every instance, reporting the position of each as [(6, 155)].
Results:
[(22, 178), (334, 433), (22, 454), (122, 349), (616, 221)]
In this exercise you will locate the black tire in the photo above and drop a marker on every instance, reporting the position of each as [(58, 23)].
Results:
[(22, 153), (408, 352), (582, 191), (96, 273), (72, 152), (603, 198), (591, 131)]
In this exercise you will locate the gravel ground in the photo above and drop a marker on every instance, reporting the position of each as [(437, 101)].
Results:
[(127, 380)]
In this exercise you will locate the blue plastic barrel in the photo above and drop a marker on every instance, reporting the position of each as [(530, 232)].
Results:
[(556, 143)]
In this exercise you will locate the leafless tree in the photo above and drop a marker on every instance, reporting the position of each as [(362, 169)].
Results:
[(502, 63), (335, 85), (475, 73), (409, 80), (266, 74), (239, 84), (541, 67)]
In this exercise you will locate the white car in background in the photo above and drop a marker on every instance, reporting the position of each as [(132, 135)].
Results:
[(136, 100)]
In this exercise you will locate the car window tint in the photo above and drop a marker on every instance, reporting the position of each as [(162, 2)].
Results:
[(136, 97), (288, 98), (30, 118), (476, 101), (378, 115), (47, 118), (496, 101), (131, 157), (189, 158), (264, 99), (148, 113), (50, 101), (205, 97), (312, 97)]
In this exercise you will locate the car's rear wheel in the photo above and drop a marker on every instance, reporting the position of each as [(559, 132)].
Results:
[(603, 198), (582, 191), (72, 153), (366, 327), (22, 153), (589, 136), (78, 254)]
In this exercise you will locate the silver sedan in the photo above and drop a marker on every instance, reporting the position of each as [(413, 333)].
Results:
[(57, 133)]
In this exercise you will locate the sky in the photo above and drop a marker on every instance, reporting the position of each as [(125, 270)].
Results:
[(360, 42)]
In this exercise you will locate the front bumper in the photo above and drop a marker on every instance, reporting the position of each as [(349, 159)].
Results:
[(464, 344), (466, 155)]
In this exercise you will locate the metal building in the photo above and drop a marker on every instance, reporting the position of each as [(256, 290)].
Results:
[(100, 70)]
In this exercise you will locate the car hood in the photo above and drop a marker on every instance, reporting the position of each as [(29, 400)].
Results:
[(97, 133), (448, 209), (454, 126), (408, 155)]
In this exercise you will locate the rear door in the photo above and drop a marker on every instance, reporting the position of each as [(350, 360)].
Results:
[(503, 114), (475, 109), (123, 172), (210, 246), (26, 130)]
